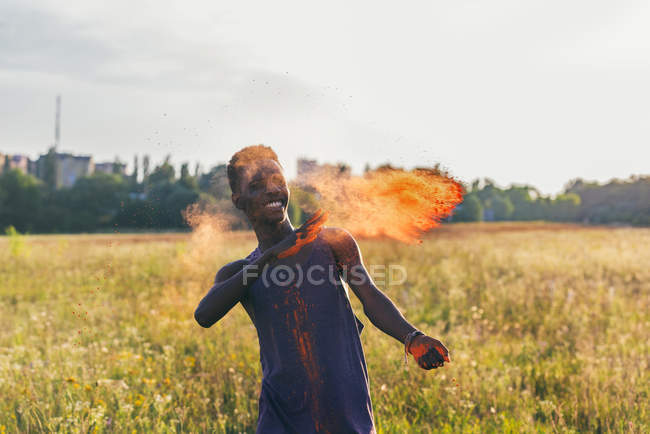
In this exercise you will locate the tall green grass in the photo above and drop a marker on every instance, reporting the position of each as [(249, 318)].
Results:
[(548, 331)]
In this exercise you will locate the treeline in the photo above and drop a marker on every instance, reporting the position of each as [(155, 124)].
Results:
[(116, 202), (104, 202), (619, 201), (155, 201)]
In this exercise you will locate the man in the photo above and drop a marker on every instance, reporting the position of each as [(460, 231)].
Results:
[(314, 371)]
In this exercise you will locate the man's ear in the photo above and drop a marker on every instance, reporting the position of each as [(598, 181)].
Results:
[(236, 200)]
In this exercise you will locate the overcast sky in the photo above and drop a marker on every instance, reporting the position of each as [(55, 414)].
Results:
[(535, 92)]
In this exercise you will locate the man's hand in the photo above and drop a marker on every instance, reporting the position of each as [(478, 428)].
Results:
[(305, 234), (428, 352)]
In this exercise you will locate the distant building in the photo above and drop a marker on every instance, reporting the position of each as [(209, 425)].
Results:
[(72, 167), (310, 170), (20, 162), (306, 166), (69, 168), (109, 168)]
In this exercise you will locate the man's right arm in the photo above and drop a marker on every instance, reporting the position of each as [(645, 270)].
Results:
[(230, 285), (233, 280)]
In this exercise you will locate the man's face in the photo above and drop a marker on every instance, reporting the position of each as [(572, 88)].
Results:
[(263, 192)]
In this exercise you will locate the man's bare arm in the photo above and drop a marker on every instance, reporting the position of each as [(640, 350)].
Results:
[(381, 311), (230, 285)]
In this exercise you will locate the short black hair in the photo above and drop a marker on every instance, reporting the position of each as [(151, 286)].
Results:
[(246, 156)]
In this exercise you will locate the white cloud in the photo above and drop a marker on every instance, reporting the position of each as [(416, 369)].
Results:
[(520, 92)]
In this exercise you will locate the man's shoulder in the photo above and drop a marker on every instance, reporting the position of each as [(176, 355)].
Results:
[(336, 236), (340, 241)]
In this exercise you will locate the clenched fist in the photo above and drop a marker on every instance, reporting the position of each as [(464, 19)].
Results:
[(428, 352)]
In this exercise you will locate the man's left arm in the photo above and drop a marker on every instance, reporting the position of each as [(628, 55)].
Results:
[(382, 312)]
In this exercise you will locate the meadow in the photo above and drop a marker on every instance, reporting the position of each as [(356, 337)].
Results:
[(548, 328)]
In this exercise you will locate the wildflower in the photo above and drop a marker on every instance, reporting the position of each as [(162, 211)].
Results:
[(189, 361), (71, 380), (166, 381), (76, 385), (493, 410), (383, 388), (87, 387)]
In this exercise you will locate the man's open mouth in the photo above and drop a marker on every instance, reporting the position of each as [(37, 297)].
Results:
[(275, 204)]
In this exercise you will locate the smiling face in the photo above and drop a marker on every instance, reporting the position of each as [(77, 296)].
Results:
[(263, 192)]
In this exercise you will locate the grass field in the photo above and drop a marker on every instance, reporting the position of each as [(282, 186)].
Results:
[(548, 328)]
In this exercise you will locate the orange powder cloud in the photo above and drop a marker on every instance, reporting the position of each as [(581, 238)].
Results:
[(209, 226), (389, 202)]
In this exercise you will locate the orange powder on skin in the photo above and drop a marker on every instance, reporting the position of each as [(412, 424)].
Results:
[(419, 350), (306, 237)]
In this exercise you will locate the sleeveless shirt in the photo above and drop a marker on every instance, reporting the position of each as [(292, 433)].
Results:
[(315, 378)]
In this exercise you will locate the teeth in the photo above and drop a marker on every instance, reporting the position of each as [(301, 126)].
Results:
[(277, 203)]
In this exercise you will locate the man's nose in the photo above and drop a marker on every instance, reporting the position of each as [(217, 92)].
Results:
[(273, 187)]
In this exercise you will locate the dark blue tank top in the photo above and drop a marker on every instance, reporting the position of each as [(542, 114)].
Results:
[(315, 378)]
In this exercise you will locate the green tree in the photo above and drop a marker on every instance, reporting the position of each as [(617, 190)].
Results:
[(50, 169), (145, 166), (625, 201), (502, 207), (470, 210), (522, 202), (21, 200), (186, 180), (215, 182), (163, 173), (135, 186), (94, 201), (565, 207), (117, 166)]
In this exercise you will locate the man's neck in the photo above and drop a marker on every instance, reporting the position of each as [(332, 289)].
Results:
[(269, 235)]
